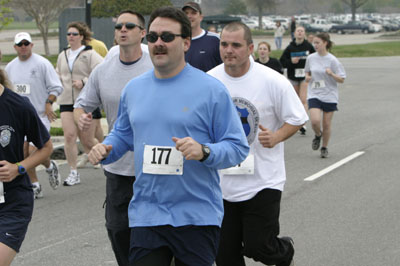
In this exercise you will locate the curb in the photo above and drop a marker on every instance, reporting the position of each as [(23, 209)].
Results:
[(58, 148)]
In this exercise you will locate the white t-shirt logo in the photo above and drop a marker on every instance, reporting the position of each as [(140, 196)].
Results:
[(249, 116)]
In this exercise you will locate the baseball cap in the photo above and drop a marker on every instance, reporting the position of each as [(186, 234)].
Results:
[(22, 36), (192, 5)]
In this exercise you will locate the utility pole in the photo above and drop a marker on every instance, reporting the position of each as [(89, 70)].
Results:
[(88, 9)]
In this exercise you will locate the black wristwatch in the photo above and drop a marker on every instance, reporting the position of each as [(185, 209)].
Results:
[(206, 152), (49, 101), (21, 169)]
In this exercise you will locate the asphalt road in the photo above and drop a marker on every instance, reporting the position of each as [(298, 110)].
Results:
[(349, 216)]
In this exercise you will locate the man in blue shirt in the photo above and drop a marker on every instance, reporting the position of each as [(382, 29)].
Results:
[(204, 48), (183, 127)]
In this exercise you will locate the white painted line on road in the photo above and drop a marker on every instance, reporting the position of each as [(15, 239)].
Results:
[(334, 166), (57, 243)]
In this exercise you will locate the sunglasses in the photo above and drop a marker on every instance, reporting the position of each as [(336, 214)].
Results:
[(23, 43), (128, 26), (152, 37), (72, 33)]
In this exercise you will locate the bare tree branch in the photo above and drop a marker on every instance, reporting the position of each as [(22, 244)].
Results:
[(43, 12), (261, 6), (354, 5)]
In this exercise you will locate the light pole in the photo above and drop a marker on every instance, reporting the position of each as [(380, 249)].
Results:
[(88, 15)]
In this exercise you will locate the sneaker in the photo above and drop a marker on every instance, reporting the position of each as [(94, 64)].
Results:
[(303, 130), (324, 152), (288, 239), (37, 191), (72, 179), (54, 175), (83, 161), (316, 142)]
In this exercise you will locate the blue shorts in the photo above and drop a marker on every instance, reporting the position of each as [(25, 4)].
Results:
[(326, 107), (192, 245), (15, 215)]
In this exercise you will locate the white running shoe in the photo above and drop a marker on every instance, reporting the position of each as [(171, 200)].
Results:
[(37, 191), (82, 161), (72, 179), (54, 175)]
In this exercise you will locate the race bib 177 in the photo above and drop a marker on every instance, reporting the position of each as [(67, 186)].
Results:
[(162, 160)]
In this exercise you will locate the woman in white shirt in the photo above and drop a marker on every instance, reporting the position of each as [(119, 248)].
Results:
[(323, 72), (278, 35), (74, 66)]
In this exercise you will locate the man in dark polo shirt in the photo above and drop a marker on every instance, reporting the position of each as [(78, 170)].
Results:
[(204, 49)]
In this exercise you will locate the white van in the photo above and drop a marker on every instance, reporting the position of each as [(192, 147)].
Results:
[(322, 24)]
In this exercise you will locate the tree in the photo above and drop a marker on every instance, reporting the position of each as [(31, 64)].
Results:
[(111, 8), (4, 11), (236, 7), (354, 5), (261, 5), (44, 12), (372, 6)]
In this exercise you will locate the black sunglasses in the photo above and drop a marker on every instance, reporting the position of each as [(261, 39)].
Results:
[(128, 26), (152, 37), (23, 43), (73, 33)]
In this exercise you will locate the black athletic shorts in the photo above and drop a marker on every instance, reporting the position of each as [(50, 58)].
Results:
[(15, 215), (192, 245), (96, 114)]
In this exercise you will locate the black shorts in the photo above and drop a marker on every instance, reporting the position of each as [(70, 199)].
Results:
[(96, 114), (326, 107), (66, 108), (15, 215), (192, 245)]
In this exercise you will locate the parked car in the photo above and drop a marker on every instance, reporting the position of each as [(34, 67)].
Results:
[(391, 26), (322, 23), (376, 27), (310, 28), (269, 24), (352, 27), (250, 23)]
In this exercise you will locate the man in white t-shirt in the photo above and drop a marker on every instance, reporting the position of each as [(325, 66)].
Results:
[(34, 76), (270, 112)]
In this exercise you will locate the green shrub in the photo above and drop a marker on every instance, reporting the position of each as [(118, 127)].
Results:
[(56, 131)]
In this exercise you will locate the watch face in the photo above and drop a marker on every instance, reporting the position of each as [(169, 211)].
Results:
[(21, 169), (206, 149)]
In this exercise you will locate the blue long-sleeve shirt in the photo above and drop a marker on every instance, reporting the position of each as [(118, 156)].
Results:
[(151, 112)]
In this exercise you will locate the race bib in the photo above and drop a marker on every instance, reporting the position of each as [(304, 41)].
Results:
[(2, 199), (23, 89), (318, 84), (299, 73), (162, 160), (244, 168)]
